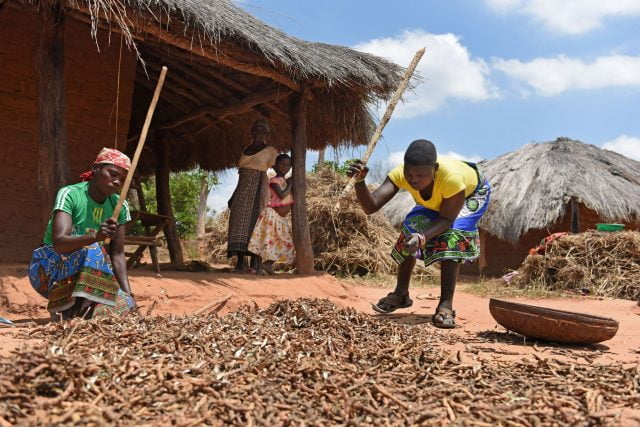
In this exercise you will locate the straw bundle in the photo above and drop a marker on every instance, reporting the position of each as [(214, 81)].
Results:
[(346, 242), (607, 264)]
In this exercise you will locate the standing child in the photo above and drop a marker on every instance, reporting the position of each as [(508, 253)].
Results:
[(271, 239)]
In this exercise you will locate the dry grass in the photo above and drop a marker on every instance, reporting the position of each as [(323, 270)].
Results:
[(605, 264)]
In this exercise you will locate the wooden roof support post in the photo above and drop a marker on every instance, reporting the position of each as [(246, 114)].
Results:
[(575, 216), (301, 235), (163, 194), (53, 152)]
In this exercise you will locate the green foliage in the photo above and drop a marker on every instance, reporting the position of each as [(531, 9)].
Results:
[(185, 197), (335, 166)]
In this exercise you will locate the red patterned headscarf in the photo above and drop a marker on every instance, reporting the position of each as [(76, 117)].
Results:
[(109, 156)]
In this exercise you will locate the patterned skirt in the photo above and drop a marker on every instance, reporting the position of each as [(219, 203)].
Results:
[(459, 243), (272, 239), (61, 278), (245, 206)]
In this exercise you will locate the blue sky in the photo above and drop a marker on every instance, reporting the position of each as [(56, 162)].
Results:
[(497, 74)]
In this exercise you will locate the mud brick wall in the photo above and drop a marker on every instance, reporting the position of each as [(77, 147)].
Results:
[(91, 81)]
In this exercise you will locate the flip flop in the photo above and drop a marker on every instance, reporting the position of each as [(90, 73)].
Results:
[(406, 302), (444, 319)]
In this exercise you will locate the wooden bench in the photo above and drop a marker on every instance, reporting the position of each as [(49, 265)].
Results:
[(153, 225)]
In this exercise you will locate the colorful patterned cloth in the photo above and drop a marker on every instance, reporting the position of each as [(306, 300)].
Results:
[(61, 278), (459, 243), (123, 304), (272, 239)]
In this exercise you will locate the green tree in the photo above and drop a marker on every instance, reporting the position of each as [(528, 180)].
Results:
[(185, 190), (334, 166)]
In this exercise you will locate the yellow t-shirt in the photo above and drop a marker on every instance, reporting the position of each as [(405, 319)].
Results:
[(452, 177)]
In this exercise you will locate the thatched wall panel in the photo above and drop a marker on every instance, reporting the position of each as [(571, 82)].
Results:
[(90, 96)]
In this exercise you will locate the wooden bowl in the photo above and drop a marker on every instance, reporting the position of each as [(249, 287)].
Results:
[(552, 325)]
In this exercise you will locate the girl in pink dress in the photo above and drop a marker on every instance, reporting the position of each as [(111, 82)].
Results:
[(271, 239)]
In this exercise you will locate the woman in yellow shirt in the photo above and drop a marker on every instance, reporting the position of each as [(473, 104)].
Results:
[(451, 196)]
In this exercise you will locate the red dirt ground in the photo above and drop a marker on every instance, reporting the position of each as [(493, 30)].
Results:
[(185, 292)]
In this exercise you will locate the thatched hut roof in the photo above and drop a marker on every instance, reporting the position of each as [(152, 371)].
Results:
[(227, 68), (533, 185)]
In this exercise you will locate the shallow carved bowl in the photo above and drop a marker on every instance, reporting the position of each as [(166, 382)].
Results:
[(552, 325)]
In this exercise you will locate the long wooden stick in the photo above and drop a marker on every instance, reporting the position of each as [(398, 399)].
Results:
[(136, 155), (385, 119)]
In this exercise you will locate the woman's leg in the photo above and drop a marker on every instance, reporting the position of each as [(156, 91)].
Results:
[(241, 263), (445, 315), (403, 277), (448, 279), (399, 298)]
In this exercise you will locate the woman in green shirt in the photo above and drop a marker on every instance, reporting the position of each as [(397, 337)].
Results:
[(73, 268)]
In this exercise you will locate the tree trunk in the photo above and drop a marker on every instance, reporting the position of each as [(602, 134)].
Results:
[(163, 194), (320, 164), (202, 205), (301, 235), (53, 153)]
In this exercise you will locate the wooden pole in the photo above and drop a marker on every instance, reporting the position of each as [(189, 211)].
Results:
[(53, 153), (301, 235), (163, 194), (143, 137), (575, 216), (136, 155), (385, 119)]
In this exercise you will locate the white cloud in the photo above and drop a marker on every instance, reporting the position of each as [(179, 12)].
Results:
[(569, 16), (551, 76), (220, 195), (447, 70), (473, 159), (626, 145), (395, 158)]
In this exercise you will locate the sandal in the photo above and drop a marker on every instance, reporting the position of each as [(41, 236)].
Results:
[(444, 319), (391, 303)]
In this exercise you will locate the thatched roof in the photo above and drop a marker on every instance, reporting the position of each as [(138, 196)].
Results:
[(227, 68), (533, 185)]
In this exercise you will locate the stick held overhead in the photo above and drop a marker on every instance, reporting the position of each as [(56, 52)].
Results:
[(136, 155), (385, 119)]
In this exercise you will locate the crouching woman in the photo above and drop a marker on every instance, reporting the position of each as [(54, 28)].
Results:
[(72, 268)]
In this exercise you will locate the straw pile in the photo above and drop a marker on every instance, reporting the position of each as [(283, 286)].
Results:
[(606, 264), (345, 243)]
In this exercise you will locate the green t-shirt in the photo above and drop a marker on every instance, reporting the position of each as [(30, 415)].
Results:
[(86, 214)]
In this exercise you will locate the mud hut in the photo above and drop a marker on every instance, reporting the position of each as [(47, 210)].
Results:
[(544, 188), (78, 75)]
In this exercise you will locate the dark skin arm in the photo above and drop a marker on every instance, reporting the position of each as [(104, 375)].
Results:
[(282, 193), (371, 202), (116, 250), (64, 242)]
